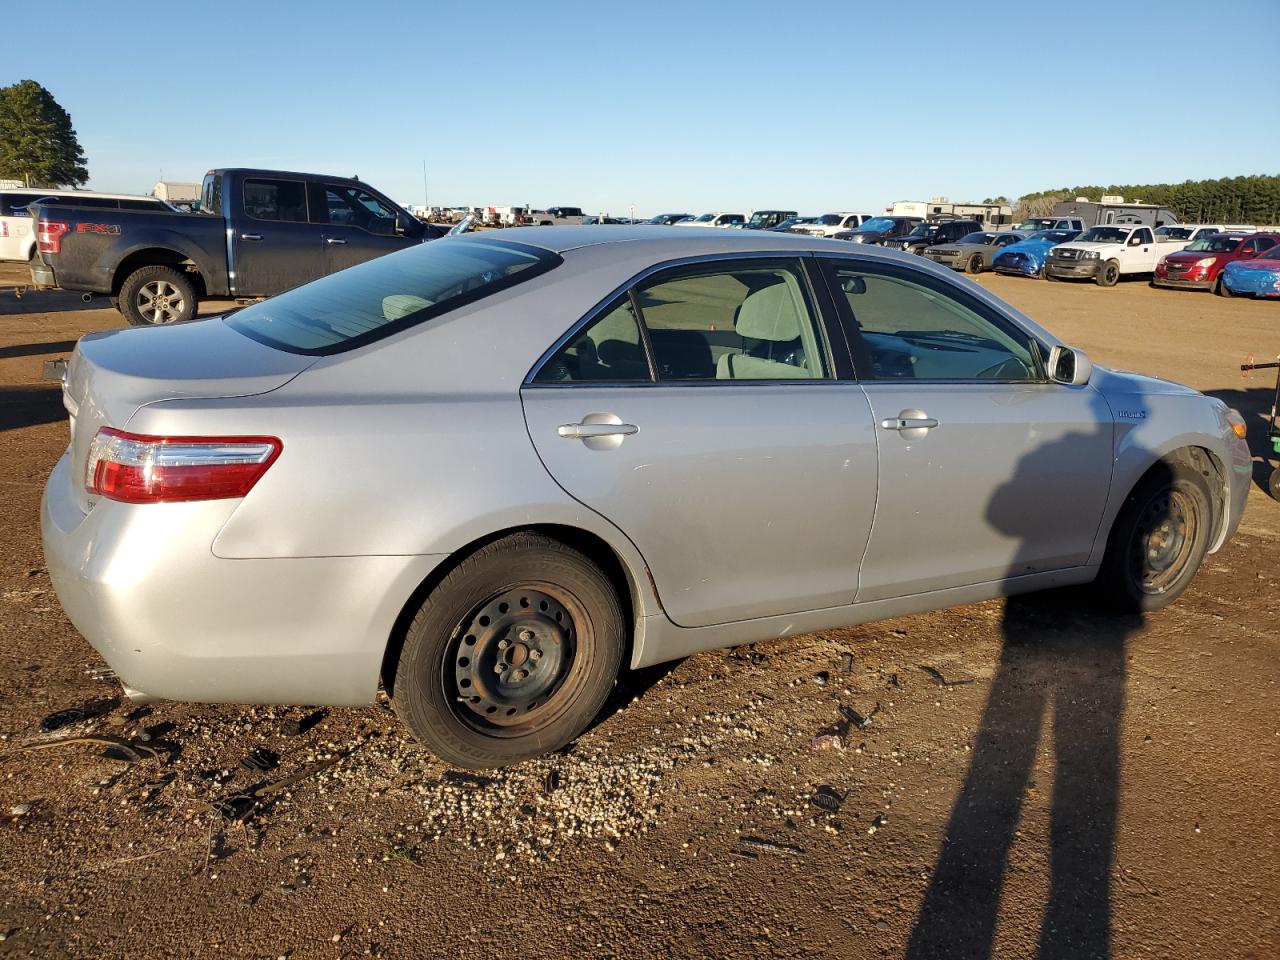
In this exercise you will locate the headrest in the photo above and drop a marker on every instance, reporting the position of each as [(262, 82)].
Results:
[(402, 304), (770, 314)]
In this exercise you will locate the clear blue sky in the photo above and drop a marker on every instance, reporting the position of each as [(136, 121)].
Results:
[(672, 106)]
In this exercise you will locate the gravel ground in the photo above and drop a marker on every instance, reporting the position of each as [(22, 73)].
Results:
[(1008, 779)]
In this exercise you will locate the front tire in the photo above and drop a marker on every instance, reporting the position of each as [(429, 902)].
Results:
[(512, 655), (157, 295), (975, 264), (1108, 274), (1223, 290), (1159, 539)]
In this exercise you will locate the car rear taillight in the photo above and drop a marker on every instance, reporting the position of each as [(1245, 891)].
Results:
[(49, 235), (133, 468), (4, 229)]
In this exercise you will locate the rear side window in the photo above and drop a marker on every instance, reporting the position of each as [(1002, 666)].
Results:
[(375, 299), (609, 350), (15, 204), (282, 200)]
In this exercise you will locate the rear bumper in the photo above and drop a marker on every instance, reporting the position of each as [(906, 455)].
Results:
[(142, 585), (42, 274)]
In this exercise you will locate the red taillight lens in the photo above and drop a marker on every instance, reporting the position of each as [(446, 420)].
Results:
[(49, 235), (133, 468)]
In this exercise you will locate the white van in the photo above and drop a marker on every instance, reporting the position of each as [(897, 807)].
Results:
[(17, 238)]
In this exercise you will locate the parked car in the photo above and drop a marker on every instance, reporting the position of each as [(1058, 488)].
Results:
[(1199, 265), (258, 232), (1257, 277), (768, 219), (1177, 236), (1026, 257), (933, 232), (17, 233), (556, 217), (269, 506), (973, 252), (1036, 224), (722, 220), (1105, 254), (786, 225), (880, 230), (829, 224), (666, 219)]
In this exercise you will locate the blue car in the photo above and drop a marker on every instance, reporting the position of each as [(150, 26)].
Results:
[(1259, 277), (1026, 257)]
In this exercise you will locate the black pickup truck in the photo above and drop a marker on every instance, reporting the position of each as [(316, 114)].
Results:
[(257, 233)]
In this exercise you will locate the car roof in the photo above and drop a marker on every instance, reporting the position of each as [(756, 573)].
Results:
[(669, 244)]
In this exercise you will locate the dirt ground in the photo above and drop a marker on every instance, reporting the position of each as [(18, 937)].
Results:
[(1017, 779)]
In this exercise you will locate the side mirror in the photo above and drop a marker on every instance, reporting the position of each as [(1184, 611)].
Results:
[(399, 226), (1069, 365)]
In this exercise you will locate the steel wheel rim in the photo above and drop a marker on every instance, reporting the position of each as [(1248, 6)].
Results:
[(1164, 540), (159, 301), (1112, 274), (517, 660)]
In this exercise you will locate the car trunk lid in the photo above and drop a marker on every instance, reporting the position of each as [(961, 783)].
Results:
[(112, 374)]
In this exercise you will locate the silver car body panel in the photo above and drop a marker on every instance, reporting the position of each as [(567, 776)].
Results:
[(403, 453)]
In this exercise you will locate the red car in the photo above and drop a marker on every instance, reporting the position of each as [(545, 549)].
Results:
[(1199, 266)]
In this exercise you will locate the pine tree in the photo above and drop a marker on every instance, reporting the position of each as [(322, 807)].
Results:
[(38, 145)]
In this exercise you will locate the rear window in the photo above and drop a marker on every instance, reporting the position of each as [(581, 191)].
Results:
[(375, 299)]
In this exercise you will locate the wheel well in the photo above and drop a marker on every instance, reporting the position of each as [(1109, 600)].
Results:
[(590, 545), (156, 257), (1203, 462)]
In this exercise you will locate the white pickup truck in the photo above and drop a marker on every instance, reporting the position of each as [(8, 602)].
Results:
[(1106, 253), (829, 224)]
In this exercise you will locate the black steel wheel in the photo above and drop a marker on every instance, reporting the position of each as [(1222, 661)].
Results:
[(1160, 536), (975, 264), (1108, 274), (511, 655)]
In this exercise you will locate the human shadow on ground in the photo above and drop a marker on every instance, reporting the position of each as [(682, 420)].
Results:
[(36, 349), (1254, 404), (29, 406)]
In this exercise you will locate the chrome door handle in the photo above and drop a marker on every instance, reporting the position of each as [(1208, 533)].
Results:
[(250, 236), (909, 423), (334, 240), (586, 431)]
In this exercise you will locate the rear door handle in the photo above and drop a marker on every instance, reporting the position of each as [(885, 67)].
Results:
[(586, 431), (250, 236), (334, 240)]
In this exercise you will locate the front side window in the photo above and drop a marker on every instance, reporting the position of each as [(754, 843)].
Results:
[(910, 326), (352, 207), (280, 200), (374, 299), (746, 321)]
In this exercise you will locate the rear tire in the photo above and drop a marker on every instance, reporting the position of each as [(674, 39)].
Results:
[(975, 264), (157, 295), (512, 655), (1223, 290), (1159, 538), (1108, 274)]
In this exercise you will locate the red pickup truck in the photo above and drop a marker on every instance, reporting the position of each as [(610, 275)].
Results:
[(1199, 266)]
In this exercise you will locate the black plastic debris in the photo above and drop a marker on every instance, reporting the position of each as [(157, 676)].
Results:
[(858, 720), (89, 710), (297, 726), (937, 675), (827, 798), (138, 713), (261, 760), (821, 678), (772, 846), (460, 778), (551, 781)]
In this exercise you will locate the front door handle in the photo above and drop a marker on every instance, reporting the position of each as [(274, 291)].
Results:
[(911, 424), (334, 240), (598, 431), (250, 236)]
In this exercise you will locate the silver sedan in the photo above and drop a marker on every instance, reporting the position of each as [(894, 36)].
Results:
[(492, 473)]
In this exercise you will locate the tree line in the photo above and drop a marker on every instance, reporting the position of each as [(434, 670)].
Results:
[(1252, 199)]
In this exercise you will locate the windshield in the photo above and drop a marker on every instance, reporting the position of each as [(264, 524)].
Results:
[(1215, 244), (1175, 233), (379, 297), (829, 219), (1054, 236), (878, 225), (705, 218), (1105, 235), (923, 230), (978, 237), (1036, 223)]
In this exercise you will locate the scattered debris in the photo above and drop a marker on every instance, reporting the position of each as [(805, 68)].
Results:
[(772, 846), (858, 720), (239, 806), (828, 798), (942, 681), (846, 662), (89, 710), (100, 673), (821, 678), (551, 780), (118, 747), (19, 810), (297, 726), (463, 779), (879, 821), (261, 760)]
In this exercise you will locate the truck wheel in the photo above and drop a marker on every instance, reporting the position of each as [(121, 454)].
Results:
[(1274, 483), (157, 295), (511, 655), (1108, 274), (975, 264)]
